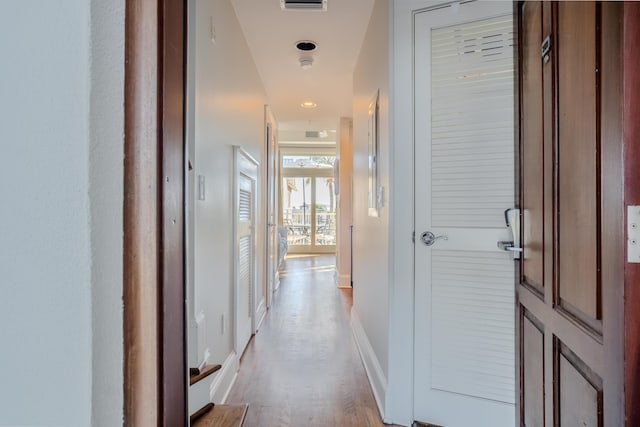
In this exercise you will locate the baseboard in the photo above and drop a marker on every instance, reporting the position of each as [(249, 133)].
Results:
[(376, 377), (223, 382), (261, 313), (276, 282), (344, 281)]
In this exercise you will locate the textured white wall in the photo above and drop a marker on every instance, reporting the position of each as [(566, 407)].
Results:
[(61, 216), (371, 234), (228, 105), (106, 156)]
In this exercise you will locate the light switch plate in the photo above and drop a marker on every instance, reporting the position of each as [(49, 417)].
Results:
[(633, 234), (201, 192)]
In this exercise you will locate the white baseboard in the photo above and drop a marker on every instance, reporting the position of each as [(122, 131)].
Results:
[(261, 313), (376, 377), (276, 283), (225, 379), (344, 281)]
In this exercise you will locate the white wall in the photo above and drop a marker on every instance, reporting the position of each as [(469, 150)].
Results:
[(106, 193), (345, 212), (371, 234), (61, 217), (228, 101)]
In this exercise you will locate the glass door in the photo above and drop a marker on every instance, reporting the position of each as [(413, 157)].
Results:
[(296, 211), (325, 210), (308, 203)]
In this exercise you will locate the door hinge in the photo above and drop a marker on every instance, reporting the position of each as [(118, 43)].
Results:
[(633, 234), (546, 49), (413, 236)]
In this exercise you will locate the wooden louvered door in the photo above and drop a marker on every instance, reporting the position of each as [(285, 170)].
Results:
[(464, 152), (570, 277)]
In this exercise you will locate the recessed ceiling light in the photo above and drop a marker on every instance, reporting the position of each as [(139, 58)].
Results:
[(306, 45), (308, 104)]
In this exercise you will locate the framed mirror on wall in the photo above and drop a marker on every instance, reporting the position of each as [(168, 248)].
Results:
[(373, 139)]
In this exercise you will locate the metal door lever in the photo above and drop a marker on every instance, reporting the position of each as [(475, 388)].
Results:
[(508, 246), (428, 238)]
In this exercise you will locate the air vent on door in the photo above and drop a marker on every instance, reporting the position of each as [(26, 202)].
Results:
[(317, 5)]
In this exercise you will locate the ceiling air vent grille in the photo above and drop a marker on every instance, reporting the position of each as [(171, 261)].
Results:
[(318, 5), (312, 134)]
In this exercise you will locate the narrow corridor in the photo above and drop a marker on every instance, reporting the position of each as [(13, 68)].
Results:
[(303, 367)]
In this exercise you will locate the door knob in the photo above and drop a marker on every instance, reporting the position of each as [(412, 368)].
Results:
[(428, 238)]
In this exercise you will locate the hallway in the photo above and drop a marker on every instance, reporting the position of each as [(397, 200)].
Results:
[(303, 367)]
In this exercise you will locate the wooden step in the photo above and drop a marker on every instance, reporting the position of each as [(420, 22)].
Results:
[(421, 424), (196, 375), (200, 412), (220, 416)]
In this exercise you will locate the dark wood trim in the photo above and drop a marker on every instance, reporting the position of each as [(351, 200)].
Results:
[(141, 219), (155, 371), (599, 124), (522, 315), (631, 85), (561, 350), (550, 135), (173, 370), (612, 250)]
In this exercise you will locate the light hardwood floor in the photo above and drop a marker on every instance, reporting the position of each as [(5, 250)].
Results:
[(303, 367)]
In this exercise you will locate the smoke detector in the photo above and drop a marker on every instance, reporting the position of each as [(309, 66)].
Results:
[(306, 63)]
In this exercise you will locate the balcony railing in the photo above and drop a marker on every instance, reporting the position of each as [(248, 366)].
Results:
[(298, 223)]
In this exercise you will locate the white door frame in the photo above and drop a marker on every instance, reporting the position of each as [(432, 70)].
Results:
[(312, 173), (271, 185), (246, 165)]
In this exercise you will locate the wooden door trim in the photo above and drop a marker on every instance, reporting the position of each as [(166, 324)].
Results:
[(631, 135), (172, 323), (153, 272), (141, 220)]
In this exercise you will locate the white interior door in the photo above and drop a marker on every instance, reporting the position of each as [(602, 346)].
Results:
[(246, 175), (464, 171)]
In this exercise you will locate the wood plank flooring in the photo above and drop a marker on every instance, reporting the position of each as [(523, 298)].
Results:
[(303, 367)]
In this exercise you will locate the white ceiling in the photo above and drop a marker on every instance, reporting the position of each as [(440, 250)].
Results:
[(271, 34)]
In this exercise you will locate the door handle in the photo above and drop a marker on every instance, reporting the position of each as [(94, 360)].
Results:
[(509, 246), (428, 238), (512, 218)]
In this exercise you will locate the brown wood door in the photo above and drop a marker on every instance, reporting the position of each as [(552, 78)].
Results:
[(570, 303)]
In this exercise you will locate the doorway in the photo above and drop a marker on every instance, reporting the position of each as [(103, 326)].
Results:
[(308, 200), (464, 172)]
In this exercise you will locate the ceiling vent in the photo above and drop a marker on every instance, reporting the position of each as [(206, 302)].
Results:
[(312, 134), (315, 5)]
